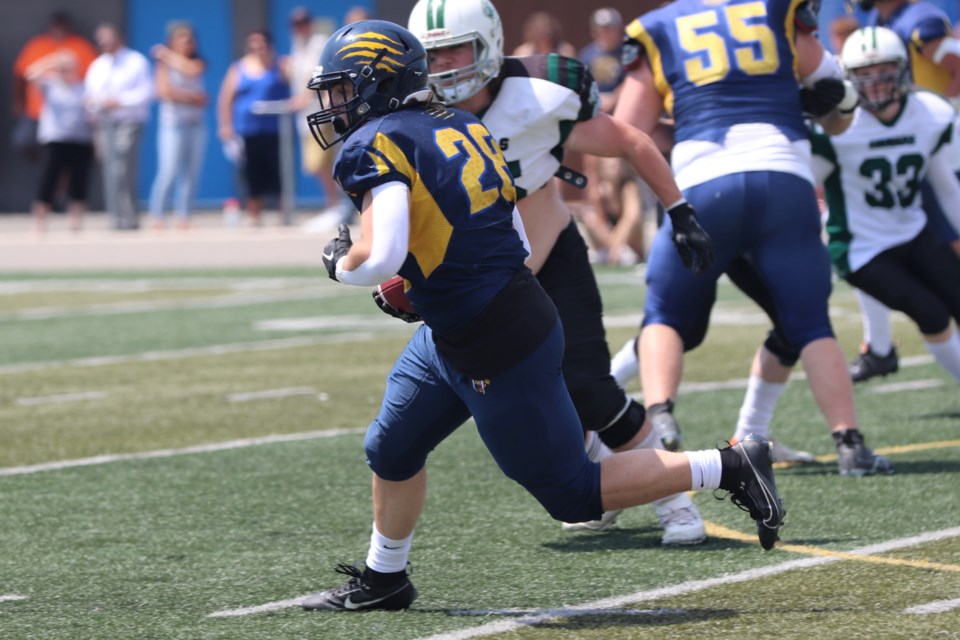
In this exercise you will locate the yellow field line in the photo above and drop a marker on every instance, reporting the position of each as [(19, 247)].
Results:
[(886, 451), (719, 531)]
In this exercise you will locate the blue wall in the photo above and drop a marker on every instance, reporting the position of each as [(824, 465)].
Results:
[(213, 21)]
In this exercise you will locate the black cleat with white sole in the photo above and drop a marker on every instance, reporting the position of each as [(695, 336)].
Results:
[(361, 593), (755, 490)]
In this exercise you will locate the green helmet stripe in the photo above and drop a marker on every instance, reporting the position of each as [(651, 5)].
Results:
[(435, 14)]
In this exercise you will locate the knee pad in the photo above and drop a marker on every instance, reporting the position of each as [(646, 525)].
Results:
[(624, 426), (777, 345)]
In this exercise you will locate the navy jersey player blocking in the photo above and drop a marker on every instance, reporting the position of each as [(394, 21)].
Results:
[(437, 206)]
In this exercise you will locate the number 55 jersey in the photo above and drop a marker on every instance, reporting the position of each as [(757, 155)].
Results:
[(872, 173), (727, 74)]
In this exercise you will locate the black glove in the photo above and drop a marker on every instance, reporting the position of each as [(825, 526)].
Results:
[(390, 310), (336, 249), (693, 243), (823, 98)]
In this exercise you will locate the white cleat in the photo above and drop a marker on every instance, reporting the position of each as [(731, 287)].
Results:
[(782, 453), (680, 520), (605, 523)]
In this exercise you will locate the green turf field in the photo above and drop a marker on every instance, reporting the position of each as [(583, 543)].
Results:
[(181, 458)]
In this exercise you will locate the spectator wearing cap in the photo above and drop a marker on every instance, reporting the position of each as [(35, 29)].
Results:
[(613, 219), (602, 55)]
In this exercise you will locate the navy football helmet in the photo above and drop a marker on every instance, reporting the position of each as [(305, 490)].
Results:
[(367, 69)]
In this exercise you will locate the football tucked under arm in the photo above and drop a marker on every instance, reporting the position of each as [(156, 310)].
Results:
[(392, 300)]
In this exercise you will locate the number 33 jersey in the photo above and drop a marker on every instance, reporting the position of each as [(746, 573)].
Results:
[(872, 173), (463, 248), (726, 71)]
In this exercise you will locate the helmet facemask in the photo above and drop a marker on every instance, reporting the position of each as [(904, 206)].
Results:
[(456, 85), (342, 109), (880, 85)]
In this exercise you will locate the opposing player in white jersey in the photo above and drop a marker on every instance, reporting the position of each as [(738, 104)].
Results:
[(879, 237), (536, 107), (933, 61)]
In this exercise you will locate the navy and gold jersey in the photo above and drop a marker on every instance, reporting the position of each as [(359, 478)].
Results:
[(720, 63), (538, 100), (463, 248), (917, 24)]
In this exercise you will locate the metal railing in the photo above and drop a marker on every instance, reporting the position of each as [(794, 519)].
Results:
[(282, 109)]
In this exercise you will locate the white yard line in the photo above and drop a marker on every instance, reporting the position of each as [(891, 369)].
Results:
[(940, 606), (910, 385), (168, 453), (11, 598), (195, 352), (62, 398), (608, 605), (269, 394)]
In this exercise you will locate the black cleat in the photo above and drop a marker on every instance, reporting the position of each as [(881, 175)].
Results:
[(665, 425), (869, 365), (756, 490), (360, 594), (856, 459)]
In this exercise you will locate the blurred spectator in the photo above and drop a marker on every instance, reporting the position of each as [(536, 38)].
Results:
[(343, 212), (118, 91), (306, 45), (27, 97), (356, 14), (614, 215), (602, 55), (65, 135), (256, 77), (182, 133), (542, 33), (840, 28)]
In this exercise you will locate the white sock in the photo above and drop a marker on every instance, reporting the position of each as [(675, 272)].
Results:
[(947, 353), (596, 450), (625, 365), (704, 469), (386, 555), (756, 412), (876, 323), (652, 441)]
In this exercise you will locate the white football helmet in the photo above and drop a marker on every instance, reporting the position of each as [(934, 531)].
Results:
[(872, 46), (445, 23)]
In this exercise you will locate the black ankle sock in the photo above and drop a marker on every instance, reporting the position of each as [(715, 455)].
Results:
[(384, 579), (849, 437), (730, 462)]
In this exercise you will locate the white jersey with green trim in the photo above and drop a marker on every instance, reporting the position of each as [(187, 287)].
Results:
[(537, 102), (872, 173)]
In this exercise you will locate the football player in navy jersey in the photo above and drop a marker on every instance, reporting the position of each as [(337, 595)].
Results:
[(729, 73), (537, 107), (934, 64), (437, 206)]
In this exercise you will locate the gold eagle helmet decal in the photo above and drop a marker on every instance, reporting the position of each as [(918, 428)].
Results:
[(367, 47)]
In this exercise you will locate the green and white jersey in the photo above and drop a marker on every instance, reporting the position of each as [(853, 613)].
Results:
[(538, 99), (871, 175)]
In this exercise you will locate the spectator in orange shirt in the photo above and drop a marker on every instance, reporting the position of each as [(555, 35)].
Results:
[(27, 98)]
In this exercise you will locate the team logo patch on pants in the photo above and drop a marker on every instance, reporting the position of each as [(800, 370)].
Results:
[(480, 386)]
